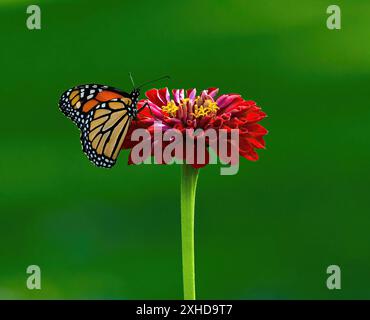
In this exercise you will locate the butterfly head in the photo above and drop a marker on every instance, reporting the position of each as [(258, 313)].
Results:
[(135, 94)]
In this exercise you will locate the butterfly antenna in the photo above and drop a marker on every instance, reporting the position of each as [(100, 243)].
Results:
[(151, 81), (132, 80)]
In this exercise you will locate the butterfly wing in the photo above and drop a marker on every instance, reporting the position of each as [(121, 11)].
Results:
[(103, 132), (103, 115), (76, 102)]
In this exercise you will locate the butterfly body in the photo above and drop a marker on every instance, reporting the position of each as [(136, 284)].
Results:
[(103, 114)]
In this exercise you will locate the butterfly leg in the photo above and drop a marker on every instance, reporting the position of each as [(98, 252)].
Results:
[(146, 104)]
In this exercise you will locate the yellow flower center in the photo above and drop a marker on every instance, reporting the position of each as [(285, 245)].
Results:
[(171, 108), (201, 108), (208, 108)]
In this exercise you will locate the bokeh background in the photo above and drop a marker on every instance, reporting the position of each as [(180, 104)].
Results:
[(268, 232)]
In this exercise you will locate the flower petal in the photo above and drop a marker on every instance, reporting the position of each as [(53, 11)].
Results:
[(256, 130), (225, 100), (178, 95), (212, 92), (153, 96), (191, 93), (164, 95), (247, 151)]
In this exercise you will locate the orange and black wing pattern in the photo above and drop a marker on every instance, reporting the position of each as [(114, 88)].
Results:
[(103, 114)]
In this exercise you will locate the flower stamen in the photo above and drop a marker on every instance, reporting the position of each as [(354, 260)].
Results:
[(171, 108), (207, 108)]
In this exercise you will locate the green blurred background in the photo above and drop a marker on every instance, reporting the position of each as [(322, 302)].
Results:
[(268, 232)]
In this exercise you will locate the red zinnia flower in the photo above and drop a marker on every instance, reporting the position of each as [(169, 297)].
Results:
[(204, 111)]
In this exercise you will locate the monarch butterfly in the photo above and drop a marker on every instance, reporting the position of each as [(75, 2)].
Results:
[(103, 114)]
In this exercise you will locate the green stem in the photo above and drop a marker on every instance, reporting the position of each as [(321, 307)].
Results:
[(189, 179)]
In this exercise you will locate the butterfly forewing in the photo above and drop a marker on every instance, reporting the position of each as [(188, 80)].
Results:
[(76, 102)]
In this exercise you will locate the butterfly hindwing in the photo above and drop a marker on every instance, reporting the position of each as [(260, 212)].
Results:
[(104, 131)]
